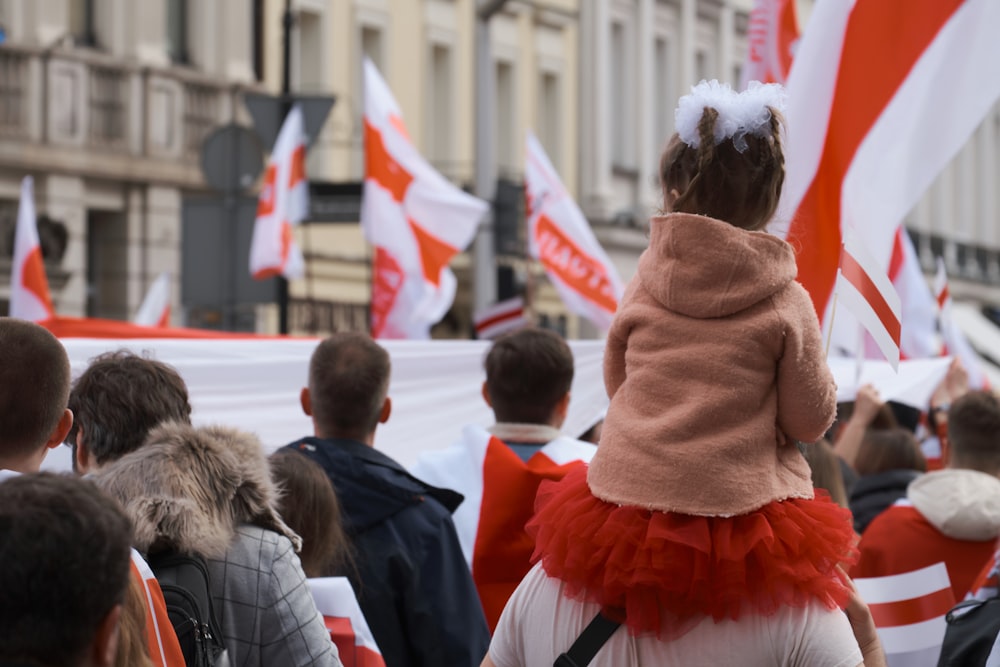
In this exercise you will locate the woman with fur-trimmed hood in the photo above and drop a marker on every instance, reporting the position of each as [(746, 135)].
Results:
[(208, 491)]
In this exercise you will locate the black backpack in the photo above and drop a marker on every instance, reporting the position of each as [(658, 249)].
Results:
[(972, 631), (184, 581)]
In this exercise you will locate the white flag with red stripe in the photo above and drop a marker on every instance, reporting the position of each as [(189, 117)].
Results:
[(29, 288), (955, 342), (500, 318), (867, 291), (417, 221), (283, 203), (772, 36), (336, 601), (876, 109), (155, 308), (561, 239), (909, 610)]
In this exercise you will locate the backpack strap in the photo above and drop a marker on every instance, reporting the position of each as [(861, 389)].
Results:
[(589, 642)]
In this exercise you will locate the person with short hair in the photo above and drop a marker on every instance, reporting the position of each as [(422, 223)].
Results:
[(34, 390), (529, 373), (950, 515), (203, 491), (413, 585), (53, 612)]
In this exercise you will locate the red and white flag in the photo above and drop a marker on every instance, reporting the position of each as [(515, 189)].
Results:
[(29, 288), (919, 339), (867, 291), (283, 204), (773, 36), (955, 342), (499, 490), (500, 318), (909, 611), (560, 237), (336, 601), (155, 308), (417, 221), (875, 112)]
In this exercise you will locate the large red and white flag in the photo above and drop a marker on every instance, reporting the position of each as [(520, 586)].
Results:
[(876, 109), (499, 490), (773, 36), (417, 221), (955, 342), (500, 318), (561, 239), (909, 611), (155, 308), (283, 203), (867, 291), (336, 601), (29, 288)]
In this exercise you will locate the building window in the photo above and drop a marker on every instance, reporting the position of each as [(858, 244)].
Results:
[(177, 31), (107, 257), (549, 114), (81, 22), (439, 125), (507, 141)]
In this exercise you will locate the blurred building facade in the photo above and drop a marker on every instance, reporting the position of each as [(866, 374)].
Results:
[(106, 103)]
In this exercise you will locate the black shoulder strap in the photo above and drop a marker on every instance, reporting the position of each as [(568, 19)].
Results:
[(589, 642)]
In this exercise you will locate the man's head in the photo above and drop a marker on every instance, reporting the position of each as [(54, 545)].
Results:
[(34, 387), (528, 377), (118, 400), (347, 396), (64, 546), (974, 432)]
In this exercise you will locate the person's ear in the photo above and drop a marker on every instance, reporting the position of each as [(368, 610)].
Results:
[(486, 395), (386, 411), (82, 454), (104, 647), (305, 400), (59, 433)]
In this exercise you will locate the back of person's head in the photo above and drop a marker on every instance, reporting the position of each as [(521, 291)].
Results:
[(726, 160), (120, 398), (34, 386), (64, 546), (348, 384), (974, 432), (309, 505), (825, 467), (882, 450), (528, 372)]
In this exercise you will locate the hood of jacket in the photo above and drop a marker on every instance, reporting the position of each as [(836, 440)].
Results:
[(371, 486), (189, 488), (962, 504), (704, 268)]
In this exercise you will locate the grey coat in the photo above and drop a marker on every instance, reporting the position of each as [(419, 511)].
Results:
[(208, 491)]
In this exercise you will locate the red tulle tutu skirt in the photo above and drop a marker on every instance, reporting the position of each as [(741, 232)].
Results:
[(663, 573)]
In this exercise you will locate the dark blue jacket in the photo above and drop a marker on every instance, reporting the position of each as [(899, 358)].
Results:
[(414, 586)]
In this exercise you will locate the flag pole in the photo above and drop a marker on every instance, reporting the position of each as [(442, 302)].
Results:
[(829, 329)]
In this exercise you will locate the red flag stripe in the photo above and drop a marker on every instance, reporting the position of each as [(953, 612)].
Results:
[(501, 317), (881, 45), (857, 276), (943, 296), (914, 610)]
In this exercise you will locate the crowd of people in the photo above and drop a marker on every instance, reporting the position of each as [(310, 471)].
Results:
[(718, 519)]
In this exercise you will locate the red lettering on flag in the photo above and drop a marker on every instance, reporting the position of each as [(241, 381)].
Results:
[(268, 192), (560, 255), (297, 173), (387, 279)]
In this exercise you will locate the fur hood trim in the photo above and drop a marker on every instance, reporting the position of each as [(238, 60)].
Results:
[(189, 488)]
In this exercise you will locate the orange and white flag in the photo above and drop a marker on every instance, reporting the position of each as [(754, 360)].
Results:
[(859, 155), (867, 291), (155, 308), (336, 601), (560, 237), (283, 203), (417, 221), (909, 612), (773, 36), (29, 288)]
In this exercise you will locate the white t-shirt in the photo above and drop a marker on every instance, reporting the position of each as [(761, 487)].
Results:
[(539, 623)]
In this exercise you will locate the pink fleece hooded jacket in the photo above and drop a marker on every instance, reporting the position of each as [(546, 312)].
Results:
[(714, 367)]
